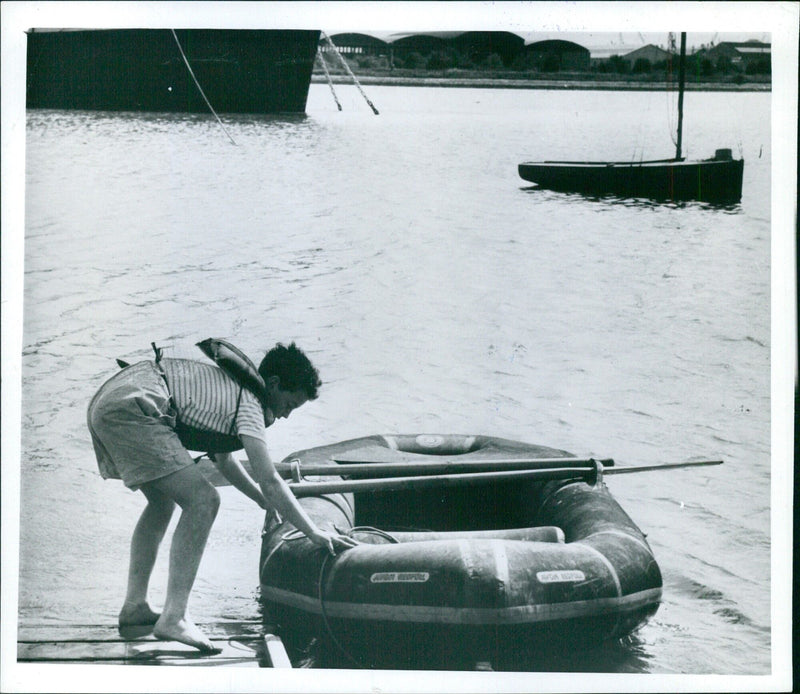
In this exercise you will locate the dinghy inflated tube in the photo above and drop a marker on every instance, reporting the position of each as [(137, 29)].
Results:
[(498, 568)]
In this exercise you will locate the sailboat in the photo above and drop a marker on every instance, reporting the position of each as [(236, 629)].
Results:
[(717, 180)]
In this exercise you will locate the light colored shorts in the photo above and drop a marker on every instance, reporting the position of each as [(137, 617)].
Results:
[(132, 422)]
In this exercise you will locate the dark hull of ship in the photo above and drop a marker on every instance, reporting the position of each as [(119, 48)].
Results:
[(239, 71)]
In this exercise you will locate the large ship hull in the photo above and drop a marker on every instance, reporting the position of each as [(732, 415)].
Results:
[(239, 71)]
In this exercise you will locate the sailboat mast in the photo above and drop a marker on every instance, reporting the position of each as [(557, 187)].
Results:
[(681, 83)]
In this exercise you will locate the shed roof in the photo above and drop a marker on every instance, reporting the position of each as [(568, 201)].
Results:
[(600, 44), (557, 45), (358, 36), (649, 49), (755, 50)]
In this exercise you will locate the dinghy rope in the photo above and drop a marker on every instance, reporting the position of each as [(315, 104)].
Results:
[(321, 591), (294, 535), (335, 50), (199, 88)]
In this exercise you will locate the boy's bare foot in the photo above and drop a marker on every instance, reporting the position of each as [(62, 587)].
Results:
[(184, 631), (137, 615)]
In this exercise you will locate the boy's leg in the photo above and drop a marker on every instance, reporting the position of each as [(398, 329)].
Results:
[(144, 547), (199, 502)]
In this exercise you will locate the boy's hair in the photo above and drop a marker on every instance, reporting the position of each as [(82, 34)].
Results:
[(293, 367)]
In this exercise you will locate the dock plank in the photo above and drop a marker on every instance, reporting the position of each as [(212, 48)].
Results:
[(110, 632), (242, 644), (144, 652)]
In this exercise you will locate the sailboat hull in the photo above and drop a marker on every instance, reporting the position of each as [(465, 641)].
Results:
[(716, 181)]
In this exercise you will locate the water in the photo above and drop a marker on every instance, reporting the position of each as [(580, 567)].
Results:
[(436, 292)]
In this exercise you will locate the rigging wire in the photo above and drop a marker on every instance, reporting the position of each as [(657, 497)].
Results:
[(671, 114), (199, 88)]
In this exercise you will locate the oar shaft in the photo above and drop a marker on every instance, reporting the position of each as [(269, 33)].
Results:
[(301, 489), (368, 469), (552, 462)]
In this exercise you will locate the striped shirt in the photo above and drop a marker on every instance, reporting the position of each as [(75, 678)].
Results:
[(205, 397)]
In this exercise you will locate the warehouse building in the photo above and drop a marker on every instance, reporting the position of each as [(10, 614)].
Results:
[(553, 55), (351, 44), (653, 55), (744, 54)]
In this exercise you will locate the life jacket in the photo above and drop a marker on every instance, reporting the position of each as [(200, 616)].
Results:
[(237, 365), (241, 369)]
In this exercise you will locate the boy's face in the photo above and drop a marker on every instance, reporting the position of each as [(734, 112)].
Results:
[(283, 402)]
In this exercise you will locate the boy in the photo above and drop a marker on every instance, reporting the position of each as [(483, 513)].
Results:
[(142, 422)]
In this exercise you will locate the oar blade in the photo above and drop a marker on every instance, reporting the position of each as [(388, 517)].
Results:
[(663, 466)]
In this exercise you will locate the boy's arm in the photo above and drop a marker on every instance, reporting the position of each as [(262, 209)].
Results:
[(280, 497), (235, 473)]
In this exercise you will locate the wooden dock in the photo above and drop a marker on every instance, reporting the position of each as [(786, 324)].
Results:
[(242, 644)]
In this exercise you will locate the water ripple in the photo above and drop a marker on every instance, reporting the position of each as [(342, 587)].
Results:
[(434, 293)]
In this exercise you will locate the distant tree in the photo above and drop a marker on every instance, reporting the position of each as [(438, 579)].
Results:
[(414, 61), (724, 65), (706, 67), (618, 64), (642, 65), (440, 60), (494, 62), (463, 61), (370, 61), (665, 68), (761, 66), (525, 61)]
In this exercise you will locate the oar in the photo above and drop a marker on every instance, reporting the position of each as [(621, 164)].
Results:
[(345, 467), (303, 489), (295, 470), (662, 466)]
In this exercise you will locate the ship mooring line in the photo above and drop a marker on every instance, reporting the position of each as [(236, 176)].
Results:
[(349, 71), (199, 88), (323, 62)]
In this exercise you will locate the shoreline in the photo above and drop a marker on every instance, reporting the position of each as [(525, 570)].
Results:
[(569, 82)]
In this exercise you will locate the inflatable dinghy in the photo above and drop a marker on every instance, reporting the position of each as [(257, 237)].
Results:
[(495, 570)]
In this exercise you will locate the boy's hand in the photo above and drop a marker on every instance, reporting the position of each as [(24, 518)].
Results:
[(332, 541)]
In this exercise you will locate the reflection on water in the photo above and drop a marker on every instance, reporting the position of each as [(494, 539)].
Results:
[(730, 208), (628, 655)]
